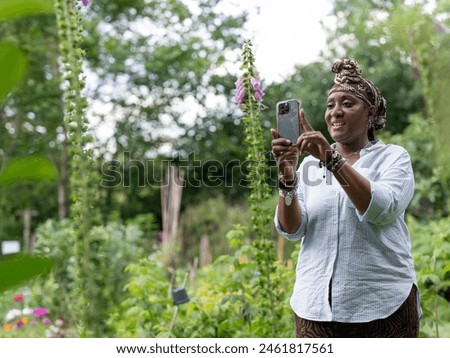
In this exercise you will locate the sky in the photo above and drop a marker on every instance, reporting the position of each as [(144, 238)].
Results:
[(285, 33)]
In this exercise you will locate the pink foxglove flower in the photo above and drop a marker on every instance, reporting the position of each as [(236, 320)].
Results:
[(240, 95), (40, 312), (257, 88), (240, 92)]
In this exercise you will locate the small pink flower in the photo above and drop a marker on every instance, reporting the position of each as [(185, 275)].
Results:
[(18, 298), (46, 321), (19, 324), (85, 2), (40, 312), (240, 92), (257, 88)]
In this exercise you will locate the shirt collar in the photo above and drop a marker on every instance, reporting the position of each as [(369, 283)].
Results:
[(373, 145)]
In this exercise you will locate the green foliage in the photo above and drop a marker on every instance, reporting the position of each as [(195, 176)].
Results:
[(56, 240), (148, 306), (24, 267), (13, 68), (431, 194), (32, 113), (13, 65), (427, 40), (35, 167), (224, 299), (31, 120), (146, 223), (213, 217), (27, 179), (115, 246), (431, 248), (11, 9)]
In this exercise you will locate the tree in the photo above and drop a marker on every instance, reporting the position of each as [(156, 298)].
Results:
[(152, 61), (361, 32), (426, 39), (31, 121)]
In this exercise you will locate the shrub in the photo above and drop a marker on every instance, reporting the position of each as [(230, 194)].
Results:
[(116, 245), (225, 299), (431, 249)]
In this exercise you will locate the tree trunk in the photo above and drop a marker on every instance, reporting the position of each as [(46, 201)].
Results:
[(205, 251), (171, 191)]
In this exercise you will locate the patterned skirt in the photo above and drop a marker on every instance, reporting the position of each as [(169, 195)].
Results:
[(403, 323)]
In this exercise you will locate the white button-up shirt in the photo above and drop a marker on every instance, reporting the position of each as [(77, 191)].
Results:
[(363, 258)]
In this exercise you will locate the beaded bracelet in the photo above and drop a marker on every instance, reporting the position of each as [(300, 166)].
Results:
[(287, 186), (335, 164)]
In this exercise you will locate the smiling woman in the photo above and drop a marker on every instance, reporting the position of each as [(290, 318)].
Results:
[(355, 275)]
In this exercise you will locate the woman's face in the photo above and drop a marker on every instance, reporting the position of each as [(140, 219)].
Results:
[(346, 117)]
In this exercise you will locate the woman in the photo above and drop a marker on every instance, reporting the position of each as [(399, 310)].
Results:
[(355, 274)]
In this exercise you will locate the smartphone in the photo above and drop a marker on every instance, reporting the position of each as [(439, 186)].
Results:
[(287, 119)]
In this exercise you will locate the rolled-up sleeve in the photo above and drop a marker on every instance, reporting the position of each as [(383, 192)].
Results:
[(391, 192)]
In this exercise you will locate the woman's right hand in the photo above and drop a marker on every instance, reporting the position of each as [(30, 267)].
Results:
[(286, 156)]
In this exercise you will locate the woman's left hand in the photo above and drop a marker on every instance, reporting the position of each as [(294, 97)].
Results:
[(312, 141)]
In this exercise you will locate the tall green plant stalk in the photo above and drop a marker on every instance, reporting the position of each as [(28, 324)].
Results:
[(83, 179), (249, 97)]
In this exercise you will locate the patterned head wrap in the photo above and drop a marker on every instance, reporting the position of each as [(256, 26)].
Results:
[(348, 79)]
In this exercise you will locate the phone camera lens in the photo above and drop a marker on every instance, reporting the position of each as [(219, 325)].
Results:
[(284, 108)]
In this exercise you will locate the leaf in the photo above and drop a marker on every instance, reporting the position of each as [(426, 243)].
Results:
[(165, 334), (12, 9), (33, 167), (446, 269), (13, 66), (18, 269)]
